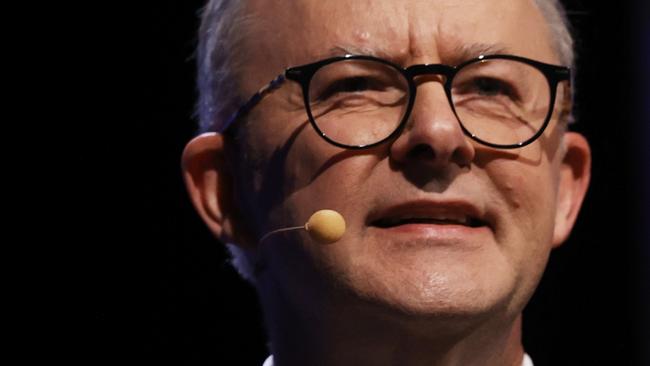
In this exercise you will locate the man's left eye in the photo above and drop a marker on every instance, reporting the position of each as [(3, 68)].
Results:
[(489, 87)]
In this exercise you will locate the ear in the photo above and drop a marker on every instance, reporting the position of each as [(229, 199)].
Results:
[(575, 173), (209, 180)]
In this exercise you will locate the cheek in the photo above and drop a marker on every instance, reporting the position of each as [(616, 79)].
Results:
[(526, 199), (322, 176), (272, 164), (305, 174)]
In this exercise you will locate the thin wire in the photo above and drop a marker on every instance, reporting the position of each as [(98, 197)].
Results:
[(278, 231)]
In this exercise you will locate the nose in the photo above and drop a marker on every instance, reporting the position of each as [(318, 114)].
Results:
[(433, 135)]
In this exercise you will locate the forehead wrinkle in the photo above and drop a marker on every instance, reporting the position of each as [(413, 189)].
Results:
[(442, 41), (432, 40), (419, 39)]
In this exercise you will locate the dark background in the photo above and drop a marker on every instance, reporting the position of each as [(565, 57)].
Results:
[(161, 291)]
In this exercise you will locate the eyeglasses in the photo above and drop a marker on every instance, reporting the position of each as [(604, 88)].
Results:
[(357, 102)]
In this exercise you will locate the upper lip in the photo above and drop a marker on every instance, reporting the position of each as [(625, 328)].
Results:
[(458, 212)]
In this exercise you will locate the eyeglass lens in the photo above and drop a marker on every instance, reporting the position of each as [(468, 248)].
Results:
[(360, 102)]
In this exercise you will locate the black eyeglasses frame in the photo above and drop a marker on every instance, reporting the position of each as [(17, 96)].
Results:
[(303, 74)]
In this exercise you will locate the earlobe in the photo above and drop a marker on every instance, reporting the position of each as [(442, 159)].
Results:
[(208, 178), (575, 174)]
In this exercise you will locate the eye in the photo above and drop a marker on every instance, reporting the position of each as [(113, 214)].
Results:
[(489, 87), (350, 85)]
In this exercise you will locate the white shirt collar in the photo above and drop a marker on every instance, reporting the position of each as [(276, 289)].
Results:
[(269, 361), (525, 362)]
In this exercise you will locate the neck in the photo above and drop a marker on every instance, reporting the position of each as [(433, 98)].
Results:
[(363, 334)]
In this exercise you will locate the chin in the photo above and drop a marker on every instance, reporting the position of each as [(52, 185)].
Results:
[(435, 291)]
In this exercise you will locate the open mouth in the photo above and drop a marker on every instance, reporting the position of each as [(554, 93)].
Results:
[(389, 222)]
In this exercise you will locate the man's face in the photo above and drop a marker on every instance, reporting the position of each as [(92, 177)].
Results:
[(405, 202)]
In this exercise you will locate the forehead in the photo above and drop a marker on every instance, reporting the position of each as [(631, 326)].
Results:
[(288, 33)]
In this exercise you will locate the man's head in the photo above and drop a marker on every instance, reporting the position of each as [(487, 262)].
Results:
[(439, 225)]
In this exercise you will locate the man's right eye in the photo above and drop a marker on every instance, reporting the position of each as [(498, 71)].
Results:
[(346, 86)]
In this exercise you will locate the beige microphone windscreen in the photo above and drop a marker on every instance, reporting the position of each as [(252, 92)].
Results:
[(326, 226)]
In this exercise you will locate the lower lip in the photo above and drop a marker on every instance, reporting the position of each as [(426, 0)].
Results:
[(438, 231)]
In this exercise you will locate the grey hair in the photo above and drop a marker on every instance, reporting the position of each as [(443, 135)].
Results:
[(560, 29), (215, 57), (222, 26)]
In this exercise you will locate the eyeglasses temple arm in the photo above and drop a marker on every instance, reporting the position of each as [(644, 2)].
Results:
[(274, 84)]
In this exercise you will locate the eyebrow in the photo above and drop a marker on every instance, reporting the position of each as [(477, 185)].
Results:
[(458, 55), (340, 50), (467, 52)]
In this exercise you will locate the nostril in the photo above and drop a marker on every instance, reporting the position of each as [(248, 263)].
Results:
[(463, 157), (423, 152)]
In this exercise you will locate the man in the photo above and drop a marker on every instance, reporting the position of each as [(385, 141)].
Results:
[(436, 128)]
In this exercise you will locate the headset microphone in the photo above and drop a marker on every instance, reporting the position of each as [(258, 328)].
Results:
[(324, 226)]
